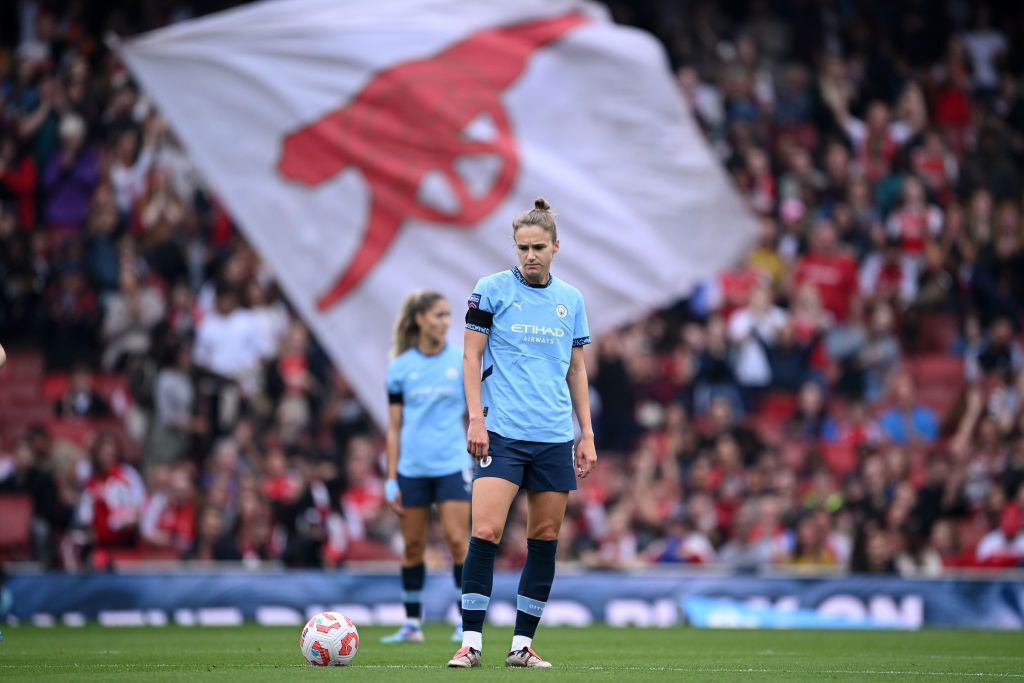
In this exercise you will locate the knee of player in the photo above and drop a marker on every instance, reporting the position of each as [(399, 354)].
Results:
[(545, 532), (456, 543), (487, 532), (414, 552)]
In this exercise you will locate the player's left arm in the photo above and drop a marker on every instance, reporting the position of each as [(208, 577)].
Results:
[(579, 392)]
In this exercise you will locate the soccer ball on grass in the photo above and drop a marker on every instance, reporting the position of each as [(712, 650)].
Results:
[(329, 639)]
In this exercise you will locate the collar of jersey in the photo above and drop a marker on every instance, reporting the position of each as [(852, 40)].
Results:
[(431, 355), (519, 276)]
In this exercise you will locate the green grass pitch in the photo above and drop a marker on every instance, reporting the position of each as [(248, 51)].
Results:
[(255, 653)]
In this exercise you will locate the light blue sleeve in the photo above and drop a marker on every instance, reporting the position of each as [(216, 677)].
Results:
[(395, 378), (482, 303), (581, 328)]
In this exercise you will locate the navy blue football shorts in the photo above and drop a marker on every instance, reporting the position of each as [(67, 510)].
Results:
[(422, 491), (531, 465)]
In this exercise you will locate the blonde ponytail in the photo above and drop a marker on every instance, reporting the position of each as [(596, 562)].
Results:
[(406, 332)]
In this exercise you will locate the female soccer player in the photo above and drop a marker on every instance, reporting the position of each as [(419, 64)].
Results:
[(426, 461), (524, 375)]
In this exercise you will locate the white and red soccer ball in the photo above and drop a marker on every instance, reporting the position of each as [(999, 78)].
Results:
[(329, 639)]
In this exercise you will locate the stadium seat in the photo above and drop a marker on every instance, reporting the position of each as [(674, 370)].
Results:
[(937, 332), (54, 385), (368, 551), (24, 366), (16, 529), (840, 458), (938, 368), (777, 406)]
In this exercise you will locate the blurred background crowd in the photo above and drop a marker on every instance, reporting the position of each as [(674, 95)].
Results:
[(848, 398)]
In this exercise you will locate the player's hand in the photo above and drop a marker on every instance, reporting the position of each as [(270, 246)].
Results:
[(586, 457), (393, 496), (477, 441)]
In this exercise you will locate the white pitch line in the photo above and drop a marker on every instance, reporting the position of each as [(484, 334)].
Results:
[(624, 669)]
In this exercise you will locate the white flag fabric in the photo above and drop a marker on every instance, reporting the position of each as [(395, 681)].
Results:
[(370, 148)]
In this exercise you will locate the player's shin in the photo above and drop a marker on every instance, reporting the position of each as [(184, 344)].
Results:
[(413, 579), (534, 589), (477, 580)]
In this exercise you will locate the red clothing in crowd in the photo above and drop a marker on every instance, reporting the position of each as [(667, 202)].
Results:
[(175, 518), (737, 285), (21, 181), (112, 504), (913, 227), (835, 278)]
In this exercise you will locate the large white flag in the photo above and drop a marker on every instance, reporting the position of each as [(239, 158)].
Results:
[(370, 148)]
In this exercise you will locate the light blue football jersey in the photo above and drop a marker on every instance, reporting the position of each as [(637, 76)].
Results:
[(433, 439), (533, 329)]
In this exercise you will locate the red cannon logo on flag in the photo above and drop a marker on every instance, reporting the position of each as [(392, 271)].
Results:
[(412, 120)]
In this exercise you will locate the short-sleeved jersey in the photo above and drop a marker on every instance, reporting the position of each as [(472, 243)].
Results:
[(531, 330), (430, 390)]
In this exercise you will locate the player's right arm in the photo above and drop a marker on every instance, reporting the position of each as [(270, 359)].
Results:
[(394, 434), (3, 356), (472, 357), (479, 317)]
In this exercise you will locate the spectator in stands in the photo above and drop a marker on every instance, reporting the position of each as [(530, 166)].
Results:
[(228, 343), (254, 534), (723, 420), (315, 530), (945, 543), (908, 421), (18, 180), (131, 165), (915, 221), (174, 420), (811, 548), (168, 518), (70, 319), (213, 541), (131, 316), (682, 544), (829, 269), (789, 358), (811, 421), (81, 399), (757, 540), (1000, 352), (872, 551), (111, 504), (27, 474), (1004, 545), (871, 358), (750, 327), (70, 177), (102, 256), (918, 558), (363, 500), (715, 377), (889, 275)]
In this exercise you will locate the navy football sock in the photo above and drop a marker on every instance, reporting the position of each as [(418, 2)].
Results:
[(477, 579), (457, 575), (534, 585), (413, 579)]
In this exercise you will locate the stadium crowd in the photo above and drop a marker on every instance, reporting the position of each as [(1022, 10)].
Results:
[(851, 397)]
